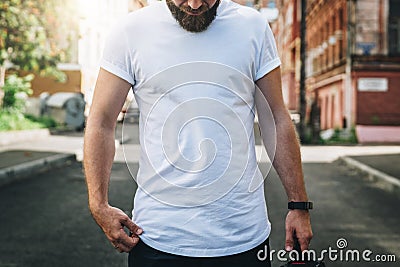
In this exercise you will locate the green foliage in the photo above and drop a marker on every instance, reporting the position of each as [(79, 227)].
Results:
[(375, 119), (11, 113), (45, 121), (342, 137), (13, 87), (12, 120), (27, 35)]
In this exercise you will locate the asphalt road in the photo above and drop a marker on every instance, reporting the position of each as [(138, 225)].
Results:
[(346, 205), (44, 221)]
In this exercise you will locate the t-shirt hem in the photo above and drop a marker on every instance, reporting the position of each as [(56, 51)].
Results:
[(268, 68), (207, 252), (116, 71)]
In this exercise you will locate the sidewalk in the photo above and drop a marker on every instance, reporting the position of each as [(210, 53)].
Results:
[(382, 169), (23, 158), (19, 164), (389, 164)]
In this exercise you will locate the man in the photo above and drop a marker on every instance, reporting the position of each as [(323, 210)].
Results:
[(189, 63)]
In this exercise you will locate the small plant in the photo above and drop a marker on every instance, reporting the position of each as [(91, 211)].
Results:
[(45, 121), (340, 136), (15, 121), (15, 90), (375, 119)]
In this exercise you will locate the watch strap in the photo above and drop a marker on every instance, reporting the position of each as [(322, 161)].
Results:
[(300, 205)]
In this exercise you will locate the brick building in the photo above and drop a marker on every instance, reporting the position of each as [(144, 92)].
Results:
[(353, 63)]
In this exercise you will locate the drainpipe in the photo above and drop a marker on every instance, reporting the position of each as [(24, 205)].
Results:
[(303, 100), (349, 51)]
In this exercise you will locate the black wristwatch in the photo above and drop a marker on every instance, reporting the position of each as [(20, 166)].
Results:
[(300, 205)]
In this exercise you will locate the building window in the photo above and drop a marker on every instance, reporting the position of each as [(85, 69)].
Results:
[(394, 27)]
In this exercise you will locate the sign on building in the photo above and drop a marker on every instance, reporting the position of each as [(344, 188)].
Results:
[(372, 84)]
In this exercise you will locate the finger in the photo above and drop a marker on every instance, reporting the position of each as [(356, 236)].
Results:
[(122, 248), (304, 243), (289, 240), (132, 226), (305, 240), (123, 245), (129, 241)]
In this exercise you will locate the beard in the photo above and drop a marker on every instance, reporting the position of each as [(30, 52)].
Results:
[(193, 23)]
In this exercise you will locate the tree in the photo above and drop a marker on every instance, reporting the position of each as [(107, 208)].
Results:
[(27, 31)]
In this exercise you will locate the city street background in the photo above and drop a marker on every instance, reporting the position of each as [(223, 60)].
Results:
[(340, 83), (44, 219)]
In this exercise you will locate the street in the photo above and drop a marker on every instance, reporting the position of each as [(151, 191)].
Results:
[(44, 220), (215, 67)]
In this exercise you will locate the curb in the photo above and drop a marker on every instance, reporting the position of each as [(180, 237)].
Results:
[(24, 170), (387, 181)]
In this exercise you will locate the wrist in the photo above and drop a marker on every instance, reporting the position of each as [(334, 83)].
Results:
[(298, 198), (299, 195), (97, 206)]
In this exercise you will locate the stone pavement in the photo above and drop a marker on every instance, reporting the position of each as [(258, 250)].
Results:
[(383, 159)]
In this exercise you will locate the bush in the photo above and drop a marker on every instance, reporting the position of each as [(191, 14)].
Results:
[(46, 121), (341, 137), (14, 121), (15, 88)]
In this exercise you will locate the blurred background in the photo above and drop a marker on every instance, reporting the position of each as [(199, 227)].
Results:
[(340, 62), (341, 85)]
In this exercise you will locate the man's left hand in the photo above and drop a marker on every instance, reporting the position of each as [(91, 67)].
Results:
[(298, 226)]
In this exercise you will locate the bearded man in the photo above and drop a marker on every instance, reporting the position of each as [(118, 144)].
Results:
[(197, 68)]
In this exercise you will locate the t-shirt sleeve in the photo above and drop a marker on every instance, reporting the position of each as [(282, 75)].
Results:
[(117, 55), (268, 57)]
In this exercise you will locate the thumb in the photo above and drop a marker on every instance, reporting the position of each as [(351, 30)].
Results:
[(136, 230), (289, 240)]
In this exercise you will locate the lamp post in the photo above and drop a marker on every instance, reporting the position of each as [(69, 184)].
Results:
[(303, 101), (348, 81)]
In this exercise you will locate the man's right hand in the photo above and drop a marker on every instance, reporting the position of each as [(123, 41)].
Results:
[(112, 221)]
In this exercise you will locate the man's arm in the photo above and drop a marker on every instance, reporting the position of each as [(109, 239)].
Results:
[(287, 161), (99, 150)]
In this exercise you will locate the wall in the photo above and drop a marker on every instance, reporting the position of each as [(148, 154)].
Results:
[(51, 85), (371, 27), (330, 100), (379, 108)]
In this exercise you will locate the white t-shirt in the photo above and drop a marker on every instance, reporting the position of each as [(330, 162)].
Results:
[(195, 93)]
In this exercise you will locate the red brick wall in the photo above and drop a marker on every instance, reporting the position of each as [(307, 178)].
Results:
[(379, 108)]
